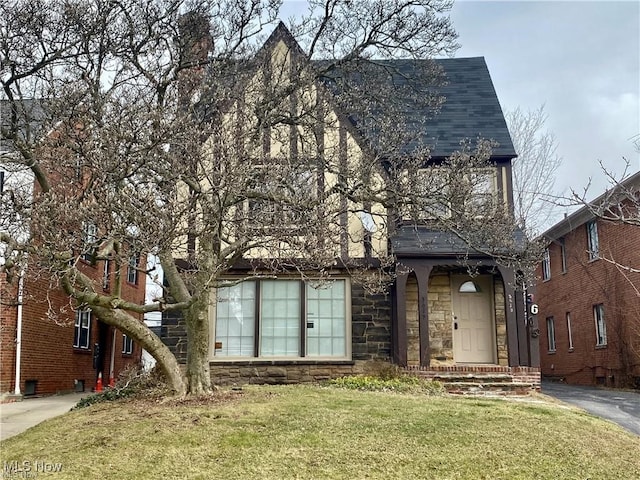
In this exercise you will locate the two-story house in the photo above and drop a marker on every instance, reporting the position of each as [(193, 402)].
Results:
[(47, 343), (588, 293), (451, 308)]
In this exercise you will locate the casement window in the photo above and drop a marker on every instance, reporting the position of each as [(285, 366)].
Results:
[(563, 255), (569, 332), (482, 184), (89, 239), (283, 318), (601, 326), (592, 240), (551, 335), (546, 265), (132, 269), (127, 344), (432, 185), (82, 329)]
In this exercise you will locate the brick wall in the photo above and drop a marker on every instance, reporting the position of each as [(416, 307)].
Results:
[(47, 354), (585, 284)]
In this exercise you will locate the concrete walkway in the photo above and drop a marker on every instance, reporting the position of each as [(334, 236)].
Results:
[(17, 417), (619, 406)]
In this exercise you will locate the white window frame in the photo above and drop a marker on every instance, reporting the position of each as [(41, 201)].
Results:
[(303, 319), (127, 344), (563, 255), (569, 331), (132, 269), (551, 335), (89, 238), (546, 265), (601, 326), (82, 323), (592, 240)]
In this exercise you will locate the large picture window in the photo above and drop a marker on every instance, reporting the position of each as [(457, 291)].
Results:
[(282, 318)]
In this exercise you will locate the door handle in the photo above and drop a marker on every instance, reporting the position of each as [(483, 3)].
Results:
[(455, 325)]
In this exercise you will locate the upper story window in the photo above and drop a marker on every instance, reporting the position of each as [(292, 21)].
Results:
[(482, 188), (89, 239), (106, 270), (82, 329), (1, 181), (546, 265), (601, 326), (563, 255), (132, 269), (127, 344), (592, 240), (569, 332)]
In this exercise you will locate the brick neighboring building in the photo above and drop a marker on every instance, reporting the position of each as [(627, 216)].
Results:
[(47, 345), (589, 308)]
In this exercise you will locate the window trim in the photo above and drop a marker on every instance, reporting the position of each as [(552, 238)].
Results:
[(563, 255), (132, 269), (569, 331), (551, 335), (256, 358), (127, 344), (593, 243), (78, 327), (599, 318), (546, 265), (89, 237)]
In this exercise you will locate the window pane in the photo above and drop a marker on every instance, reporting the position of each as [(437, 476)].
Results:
[(280, 318), (235, 320), (326, 320)]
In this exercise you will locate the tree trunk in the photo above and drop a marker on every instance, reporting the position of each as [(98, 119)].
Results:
[(198, 373), (149, 341)]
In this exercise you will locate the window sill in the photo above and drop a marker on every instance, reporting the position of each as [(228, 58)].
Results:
[(570, 350), (601, 347), (294, 361), (551, 352), (82, 351)]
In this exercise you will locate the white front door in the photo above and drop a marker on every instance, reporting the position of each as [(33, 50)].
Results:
[(473, 324)]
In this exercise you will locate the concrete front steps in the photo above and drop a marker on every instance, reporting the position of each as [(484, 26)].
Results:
[(482, 379)]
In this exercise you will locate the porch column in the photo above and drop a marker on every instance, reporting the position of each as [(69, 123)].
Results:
[(400, 325), (422, 275), (516, 336)]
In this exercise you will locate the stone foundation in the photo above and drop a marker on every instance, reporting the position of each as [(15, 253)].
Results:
[(281, 372)]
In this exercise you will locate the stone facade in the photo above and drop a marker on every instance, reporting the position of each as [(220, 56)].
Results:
[(371, 325), (440, 319), (501, 321)]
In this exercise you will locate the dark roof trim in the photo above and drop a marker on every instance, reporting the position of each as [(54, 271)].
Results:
[(584, 214)]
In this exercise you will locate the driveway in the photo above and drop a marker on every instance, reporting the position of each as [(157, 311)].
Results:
[(621, 407), (17, 417)]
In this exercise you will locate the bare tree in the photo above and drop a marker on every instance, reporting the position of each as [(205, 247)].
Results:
[(169, 128), (534, 170)]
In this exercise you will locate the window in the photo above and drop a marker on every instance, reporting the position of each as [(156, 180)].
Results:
[(89, 238), (601, 327), (569, 333), (282, 318), (483, 189), (563, 255), (592, 239), (1, 181), (132, 269), (105, 275), (127, 344), (82, 328), (546, 265), (551, 335), (432, 185)]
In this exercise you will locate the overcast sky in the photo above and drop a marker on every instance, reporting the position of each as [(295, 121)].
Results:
[(581, 59)]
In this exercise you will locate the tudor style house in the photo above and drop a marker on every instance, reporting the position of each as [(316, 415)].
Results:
[(49, 345), (589, 305), (439, 316)]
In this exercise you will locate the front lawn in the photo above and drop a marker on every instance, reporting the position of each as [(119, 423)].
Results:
[(311, 432)]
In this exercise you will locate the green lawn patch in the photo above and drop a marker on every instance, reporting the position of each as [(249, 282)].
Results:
[(314, 432)]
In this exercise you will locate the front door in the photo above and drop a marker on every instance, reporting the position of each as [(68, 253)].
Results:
[(473, 324)]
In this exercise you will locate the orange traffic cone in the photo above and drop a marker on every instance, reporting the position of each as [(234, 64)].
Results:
[(99, 383), (112, 381)]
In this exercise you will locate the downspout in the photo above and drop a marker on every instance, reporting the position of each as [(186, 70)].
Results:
[(19, 332)]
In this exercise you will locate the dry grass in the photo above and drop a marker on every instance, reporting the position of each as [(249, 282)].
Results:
[(321, 432)]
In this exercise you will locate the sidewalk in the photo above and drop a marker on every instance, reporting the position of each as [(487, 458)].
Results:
[(17, 417)]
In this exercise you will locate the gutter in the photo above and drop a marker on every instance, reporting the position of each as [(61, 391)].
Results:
[(19, 332)]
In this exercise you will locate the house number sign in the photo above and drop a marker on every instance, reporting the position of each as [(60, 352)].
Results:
[(534, 308)]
